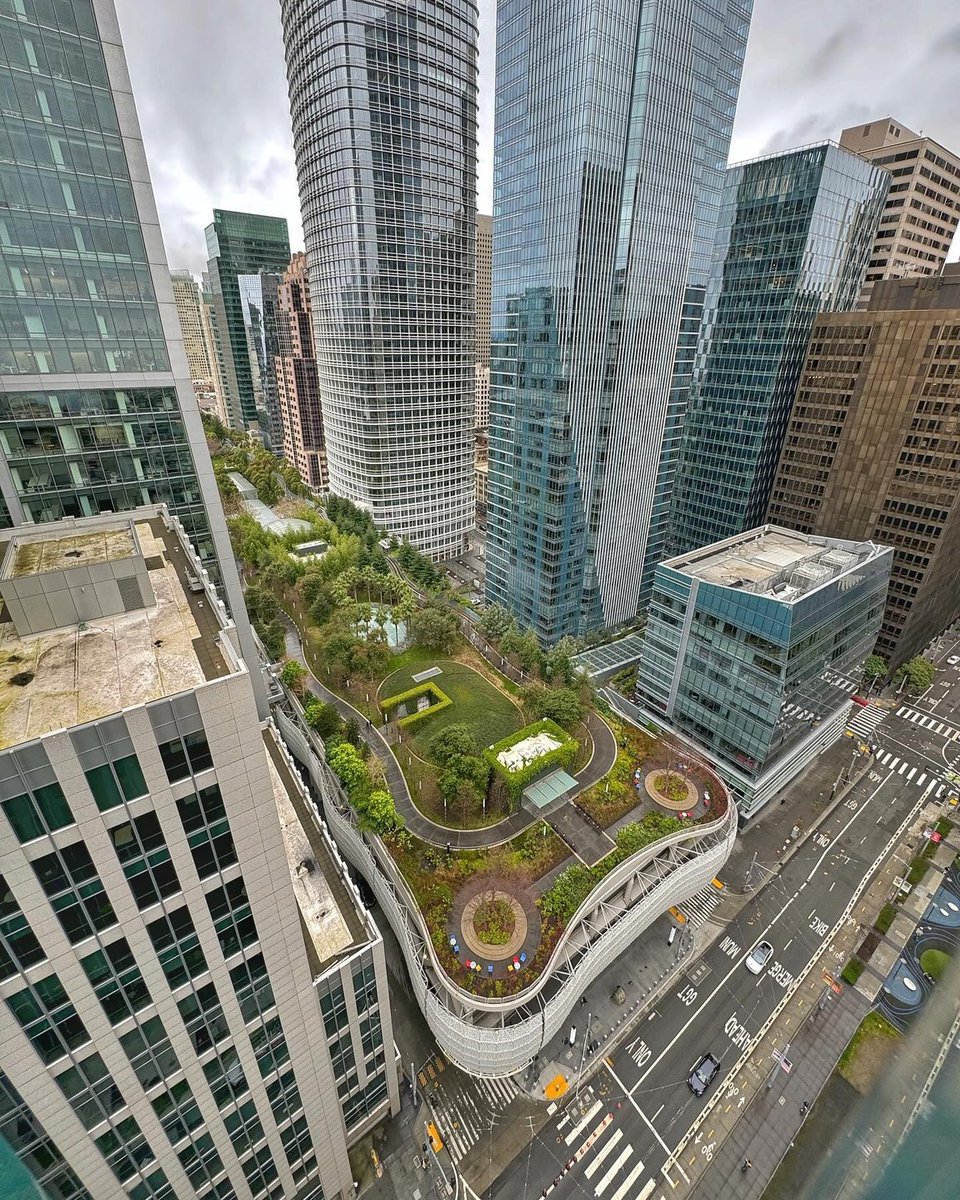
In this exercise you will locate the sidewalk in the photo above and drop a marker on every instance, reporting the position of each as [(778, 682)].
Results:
[(408, 1172)]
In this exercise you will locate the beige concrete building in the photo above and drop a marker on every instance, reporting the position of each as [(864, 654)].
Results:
[(873, 446), (482, 419), (186, 295), (298, 389), (194, 997), (923, 205)]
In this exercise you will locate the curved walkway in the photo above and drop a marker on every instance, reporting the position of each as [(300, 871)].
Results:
[(603, 758)]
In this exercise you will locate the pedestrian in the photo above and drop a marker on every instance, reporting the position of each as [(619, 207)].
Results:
[(747, 1164), (804, 1108)]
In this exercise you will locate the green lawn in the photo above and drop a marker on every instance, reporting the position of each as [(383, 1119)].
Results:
[(476, 702), (934, 962)]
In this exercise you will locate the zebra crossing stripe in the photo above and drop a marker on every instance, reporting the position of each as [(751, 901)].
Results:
[(628, 1183), (602, 1153), (913, 771), (608, 1178)]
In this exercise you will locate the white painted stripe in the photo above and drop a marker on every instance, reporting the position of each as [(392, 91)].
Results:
[(913, 771), (885, 758), (630, 1180), (604, 1150), (902, 768), (921, 779), (902, 712), (551, 1108), (591, 1113), (915, 717), (607, 1179), (647, 1189)]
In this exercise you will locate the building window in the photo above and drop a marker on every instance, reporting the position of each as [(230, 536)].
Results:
[(225, 1076), (244, 1127), (125, 1149), (371, 1036), (205, 823), (260, 1170), (29, 1141), (150, 1053), (109, 762), (252, 985), (19, 947), (365, 985), (296, 1140), (342, 1057), (223, 1190), (177, 1111), (232, 919), (114, 782), (90, 1088), (204, 1018), (117, 981), (156, 1186), (357, 1108), (175, 940), (284, 1097), (48, 1019), (186, 755), (270, 1046), (70, 880), (145, 859), (333, 1005), (38, 812), (200, 1160)]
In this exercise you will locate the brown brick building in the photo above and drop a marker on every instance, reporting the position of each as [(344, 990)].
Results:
[(873, 447), (298, 390)]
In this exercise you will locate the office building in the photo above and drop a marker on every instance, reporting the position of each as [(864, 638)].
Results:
[(384, 105), (260, 305), (186, 296), (240, 244), (871, 449), (194, 998), (97, 409), (298, 392), (750, 647), (604, 193), (922, 209), (793, 241), (217, 397), (484, 267)]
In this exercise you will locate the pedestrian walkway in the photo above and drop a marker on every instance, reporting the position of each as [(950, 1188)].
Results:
[(613, 1167), (466, 1109), (842, 682), (926, 721), (865, 720), (911, 774), (699, 909)]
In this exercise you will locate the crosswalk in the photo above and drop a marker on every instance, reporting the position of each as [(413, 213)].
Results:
[(841, 681), (865, 720), (466, 1108), (909, 774), (613, 1170), (700, 907), (926, 721)]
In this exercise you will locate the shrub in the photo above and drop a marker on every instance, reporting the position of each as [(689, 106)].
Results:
[(435, 629), (441, 701), (852, 971), (561, 704), (563, 756)]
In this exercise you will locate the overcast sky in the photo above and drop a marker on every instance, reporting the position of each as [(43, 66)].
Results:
[(209, 80)]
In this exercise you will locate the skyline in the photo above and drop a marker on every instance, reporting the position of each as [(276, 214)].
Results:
[(212, 140)]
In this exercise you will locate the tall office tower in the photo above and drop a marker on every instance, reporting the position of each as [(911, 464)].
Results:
[(794, 240), (186, 296), (212, 340), (97, 411), (484, 268), (240, 244), (194, 999), (922, 210), (608, 167), (748, 646), (384, 105), (259, 303), (871, 449), (298, 392)]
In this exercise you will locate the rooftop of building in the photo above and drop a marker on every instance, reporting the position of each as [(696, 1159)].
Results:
[(885, 134), (37, 552), (63, 677), (329, 915), (773, 561), (262, 513)]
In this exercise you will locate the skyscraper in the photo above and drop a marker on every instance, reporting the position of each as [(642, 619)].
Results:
[(794, 239), (922, 209), (260, 305), (384, 105), (240, 244), (186, 296), (871, 448), (97, 411), (608, 169), (484, 268), (298, 393), (193, 996)]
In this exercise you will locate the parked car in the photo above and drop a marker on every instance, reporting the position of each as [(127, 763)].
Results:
[(953, 660), (758, 957), (702, 1074)]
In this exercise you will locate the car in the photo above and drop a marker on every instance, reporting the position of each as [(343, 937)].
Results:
[(702, 1074), (758, 957), (953, 660)]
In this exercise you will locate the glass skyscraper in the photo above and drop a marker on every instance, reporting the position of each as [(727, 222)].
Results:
[(613, 123), (794, 239), (384, 105), (260, 305), (240, 244)]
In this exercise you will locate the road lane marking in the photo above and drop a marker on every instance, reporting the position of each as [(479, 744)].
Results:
[(623, 1087), (608, 1178), (578, 1129), (628, 1183), (602, 1153)]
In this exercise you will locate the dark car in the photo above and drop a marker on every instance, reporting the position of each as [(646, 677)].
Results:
[(702, 1074)]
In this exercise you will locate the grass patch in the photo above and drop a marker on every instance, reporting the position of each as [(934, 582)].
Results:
[(868, 1049), (852, 971), (475, 702), (887, 916), (934, 963)]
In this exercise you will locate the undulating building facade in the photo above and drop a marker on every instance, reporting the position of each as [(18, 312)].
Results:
[(186, 296), (604, 196), (194, 997), (97, 409), (298, 391), (748, 646), (794, 240), (873, 448), (383, 99), (240, 244), (922, 209)]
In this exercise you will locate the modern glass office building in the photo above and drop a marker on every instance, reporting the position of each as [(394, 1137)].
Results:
[(384, 105), (753, 645), (260, 305), (613, 122), (240, 244), (794, 240)]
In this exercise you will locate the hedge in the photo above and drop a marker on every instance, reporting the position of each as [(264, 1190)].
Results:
[(563, 756), (423, 689)]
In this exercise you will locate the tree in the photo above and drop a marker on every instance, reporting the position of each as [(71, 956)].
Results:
[(379, 813), (274, 638), (435, 629), (347, 765), (293, 675), (557, 662), (918, 672), (875, 667), (456, 741), (322, 718), (511, 642), (528, 652), (562, 705), (495, 621)]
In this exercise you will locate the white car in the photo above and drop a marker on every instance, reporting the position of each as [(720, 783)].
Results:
[(953, 660), (758, 957)]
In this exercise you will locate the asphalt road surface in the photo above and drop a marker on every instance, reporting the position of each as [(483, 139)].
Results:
[(620, 1136)]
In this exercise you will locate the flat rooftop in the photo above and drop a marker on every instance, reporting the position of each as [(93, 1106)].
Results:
[(65, 677), (36, 554), (771, 560)]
